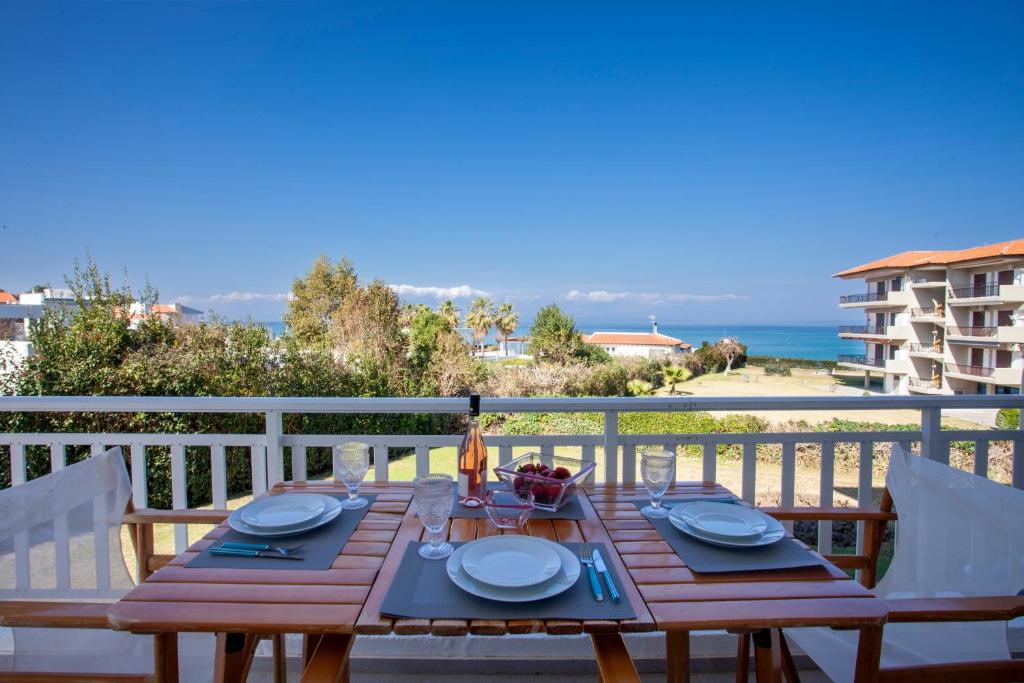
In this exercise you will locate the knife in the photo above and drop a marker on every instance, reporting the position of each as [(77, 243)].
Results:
[(603, 571), (242, 552)]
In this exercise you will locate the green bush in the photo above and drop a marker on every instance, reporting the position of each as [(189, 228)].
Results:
[(808, 363), (1008, 418), (780, 369)]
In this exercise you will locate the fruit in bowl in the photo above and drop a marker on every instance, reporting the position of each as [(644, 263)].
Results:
[(551, 479)]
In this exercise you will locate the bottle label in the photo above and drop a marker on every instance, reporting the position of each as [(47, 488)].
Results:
[(463, 485)]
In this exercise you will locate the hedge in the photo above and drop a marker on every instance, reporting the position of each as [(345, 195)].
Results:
[(808, 363)]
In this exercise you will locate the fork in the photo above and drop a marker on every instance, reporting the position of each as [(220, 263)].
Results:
[(587, 559), (280, 550)]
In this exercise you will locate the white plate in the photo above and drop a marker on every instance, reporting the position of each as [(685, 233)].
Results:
[(562, 581), (286, 511), (773, 534), (511, 561), (332, 508), (728, 521)]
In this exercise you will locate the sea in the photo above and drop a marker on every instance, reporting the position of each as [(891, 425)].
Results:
[(812, 342)]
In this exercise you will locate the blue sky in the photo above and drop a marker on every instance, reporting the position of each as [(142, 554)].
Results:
[(708, 163)]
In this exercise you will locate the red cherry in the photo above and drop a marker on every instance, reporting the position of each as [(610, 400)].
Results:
[(528, 467), (538, 491), (553, 491), (562, 473)]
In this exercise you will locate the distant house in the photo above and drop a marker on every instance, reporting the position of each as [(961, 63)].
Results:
[(644, 344), (7, 298), (174, 313)]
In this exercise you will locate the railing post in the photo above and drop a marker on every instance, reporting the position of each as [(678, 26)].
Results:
[(275, 457), (1017, 475), (931, 437), (611, 446)]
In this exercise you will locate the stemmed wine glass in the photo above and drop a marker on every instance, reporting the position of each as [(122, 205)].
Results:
[(351, 462), (658, 470), (434, 501)]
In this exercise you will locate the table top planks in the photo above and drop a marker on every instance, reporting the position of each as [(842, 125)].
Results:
[(589, 529), (265, 601), (682, 600)]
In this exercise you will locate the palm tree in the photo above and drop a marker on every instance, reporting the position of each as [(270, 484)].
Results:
[(506, 321), (674, 374), (638, 387), (480, 319), (450, 312)]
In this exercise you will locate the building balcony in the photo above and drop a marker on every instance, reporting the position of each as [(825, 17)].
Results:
[(984, 374), (926, 386), (928, 284), (1007, 334), (973, 295), (925, 350), (850, 331), (983, 333), (860, 362), (876, 299), (936, 315)]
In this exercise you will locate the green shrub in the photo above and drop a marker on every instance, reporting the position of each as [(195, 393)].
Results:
[(1008, 418), (780, 369)]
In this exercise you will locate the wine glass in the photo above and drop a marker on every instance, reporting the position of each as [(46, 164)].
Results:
[(351, 462), (658, 470), (434, 501)]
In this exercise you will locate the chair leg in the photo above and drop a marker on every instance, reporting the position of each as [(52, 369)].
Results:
[(788, 666), (742, 657), (234, 657), (280, 658), (869, 654), (677, 656)]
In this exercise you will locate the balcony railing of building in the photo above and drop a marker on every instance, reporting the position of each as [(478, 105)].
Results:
[(861, 360), (973, 291), (615, 453), (925, 383), (925, 348), (975, 370), (926, 313), (972, 331), (863, 298), (863, 329)]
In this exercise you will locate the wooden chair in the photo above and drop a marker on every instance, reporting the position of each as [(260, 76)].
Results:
[(946, 599), (68, 522)]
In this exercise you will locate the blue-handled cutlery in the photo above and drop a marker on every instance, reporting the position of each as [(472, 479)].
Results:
[(280, 550), (587, 560), (602, 569)]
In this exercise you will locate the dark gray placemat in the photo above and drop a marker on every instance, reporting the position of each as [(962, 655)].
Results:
[(705, 558), (421, 589), (571, 510), (320, 546)]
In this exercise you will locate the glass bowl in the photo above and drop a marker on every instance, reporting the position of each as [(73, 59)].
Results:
[(509, 509), (552, 479)]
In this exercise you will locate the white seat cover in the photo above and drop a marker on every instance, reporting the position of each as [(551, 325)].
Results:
[(957, 535), (60, 539)]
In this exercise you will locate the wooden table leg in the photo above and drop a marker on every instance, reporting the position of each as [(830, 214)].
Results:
[(767, 656), (165, 657), (677, 656), (742, 657), (309, 646), (280, 661), (234, 657), (869, 654), (614, 665), (788, 665)]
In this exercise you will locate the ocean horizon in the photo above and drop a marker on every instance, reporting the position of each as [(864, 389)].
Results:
[(810, 342)]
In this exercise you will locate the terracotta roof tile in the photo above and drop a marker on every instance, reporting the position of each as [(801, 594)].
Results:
[(636, 338), (8, 298), (912, 259)]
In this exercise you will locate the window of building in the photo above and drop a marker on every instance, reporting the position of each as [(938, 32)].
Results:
[(897, 284), (1003, 358), (892, 353), (1006, 277)]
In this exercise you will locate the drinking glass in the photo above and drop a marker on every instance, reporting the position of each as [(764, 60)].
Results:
[(434, 499), (509, 509), (658, 470), (351, 462)]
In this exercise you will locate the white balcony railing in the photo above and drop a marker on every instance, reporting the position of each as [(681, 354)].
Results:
[(269, 449)]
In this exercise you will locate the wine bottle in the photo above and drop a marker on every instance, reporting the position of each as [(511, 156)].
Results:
[(473, 460)]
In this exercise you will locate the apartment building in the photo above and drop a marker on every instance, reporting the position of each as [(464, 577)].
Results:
[(941, 322)]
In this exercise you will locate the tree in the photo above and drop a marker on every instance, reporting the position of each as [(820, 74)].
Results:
[(731, 351), (554, 337), (480, 319), (450, 312), (316, 300), (675, 374), (506, 321), (367, 333)]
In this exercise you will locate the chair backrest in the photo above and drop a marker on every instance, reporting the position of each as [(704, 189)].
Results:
[(958, 533), (60, 534)]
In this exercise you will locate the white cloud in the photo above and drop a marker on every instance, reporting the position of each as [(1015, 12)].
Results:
[(600, 296), (459, 292), (236, 297)]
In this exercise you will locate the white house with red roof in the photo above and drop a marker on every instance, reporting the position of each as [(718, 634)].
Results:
[(644, 344)]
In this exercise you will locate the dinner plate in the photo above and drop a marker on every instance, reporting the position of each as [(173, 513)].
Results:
[(286, 511), (511, 561), (563, 580), (332, 508), (773, 534), (723, 520)]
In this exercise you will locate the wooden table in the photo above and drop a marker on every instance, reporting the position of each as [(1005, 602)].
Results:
[(613, 659), (241, 606), (681, 601)]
